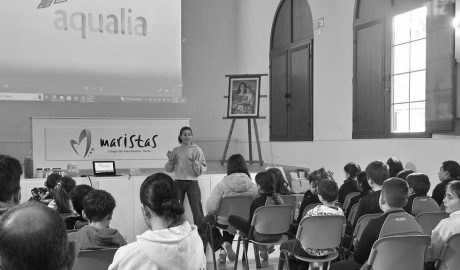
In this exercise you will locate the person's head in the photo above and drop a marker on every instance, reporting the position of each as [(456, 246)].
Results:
[(52, 180), (377, 173), (77, 195), (242, 87), (419, 184), (449, 170), (394, 194), (363, 184), (266, 182), (237, 164), (10, 165), (452, 199), (159, 200), (98, 206), (67, 183), (61, 194), (351, 170), (185, 135), (317, 175), (33, 236), (404, 173), (280, 184), (328, 191), (394, 166), (10, 175)]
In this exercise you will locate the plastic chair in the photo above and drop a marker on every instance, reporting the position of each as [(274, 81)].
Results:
[(449, 258), (401, 252), (95, 259), (429, 220), (237, 205), (267, 220), (361, 225), (399, 223), (320, 232), (352, 214), (346, 202), (287, 199), (424, 204)]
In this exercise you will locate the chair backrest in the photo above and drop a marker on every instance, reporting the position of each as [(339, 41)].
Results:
[(424, 204), (449, 258), (272, 219), (237, 205), (429, 220), (352, 215), (95, 259), (321, 232), (401, 252), (362, 223), (347, 200), (399, 223), (287, 199), (308, 208)]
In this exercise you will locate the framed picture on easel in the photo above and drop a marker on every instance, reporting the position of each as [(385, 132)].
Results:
[(243, 96)]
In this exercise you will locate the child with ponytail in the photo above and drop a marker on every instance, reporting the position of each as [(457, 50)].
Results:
[(61, 199), (267, 189), (171, 242)]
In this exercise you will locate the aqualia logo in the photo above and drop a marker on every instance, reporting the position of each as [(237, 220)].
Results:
[(84, 134), (124, 23)]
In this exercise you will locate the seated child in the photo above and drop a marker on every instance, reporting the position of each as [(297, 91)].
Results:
[(98, 207), (311, 196), (76, 196), (267, 186), (393, 197), (419, 185), (448, 226), (349, 185), (327, 193), (61, 199)]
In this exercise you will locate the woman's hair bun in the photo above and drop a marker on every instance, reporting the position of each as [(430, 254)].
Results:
[(173, 206)]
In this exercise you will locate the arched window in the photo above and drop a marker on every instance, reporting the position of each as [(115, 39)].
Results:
[(291, 72), (403, 68)]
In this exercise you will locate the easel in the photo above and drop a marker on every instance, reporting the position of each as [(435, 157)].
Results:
[(256, 132), (249, 118)]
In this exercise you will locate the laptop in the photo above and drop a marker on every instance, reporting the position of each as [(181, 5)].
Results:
[(104, 168)]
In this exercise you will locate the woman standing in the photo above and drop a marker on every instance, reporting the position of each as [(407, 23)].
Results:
[(187, 162)]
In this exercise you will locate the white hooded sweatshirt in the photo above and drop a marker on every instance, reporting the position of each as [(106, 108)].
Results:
[(177, 248)]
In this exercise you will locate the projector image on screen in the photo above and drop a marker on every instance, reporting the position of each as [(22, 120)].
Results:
[(89, 51)]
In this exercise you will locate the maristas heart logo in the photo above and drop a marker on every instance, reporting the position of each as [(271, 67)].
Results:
[(84, 134), (47, 3)]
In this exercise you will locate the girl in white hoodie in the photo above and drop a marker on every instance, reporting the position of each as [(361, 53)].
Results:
[(237, 182), (171, 242)]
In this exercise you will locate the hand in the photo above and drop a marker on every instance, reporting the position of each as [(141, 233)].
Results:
[(170, 155)]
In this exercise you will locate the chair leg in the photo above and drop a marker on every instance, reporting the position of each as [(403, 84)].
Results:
[(256, 255), (286, 255), (237, 252), (209, 229), (245, 250), (205, 238)]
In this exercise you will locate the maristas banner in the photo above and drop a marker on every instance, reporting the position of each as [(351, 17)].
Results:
[(132, 142)]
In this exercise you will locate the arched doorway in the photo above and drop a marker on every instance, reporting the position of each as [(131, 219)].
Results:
[(291, 72)]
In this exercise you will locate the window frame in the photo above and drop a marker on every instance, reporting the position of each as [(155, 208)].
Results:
[(387, 15)]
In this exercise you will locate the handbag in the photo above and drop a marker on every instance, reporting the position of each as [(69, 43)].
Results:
[(299, 182)]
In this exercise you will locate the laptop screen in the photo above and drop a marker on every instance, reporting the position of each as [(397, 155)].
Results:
[(104, 168)]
